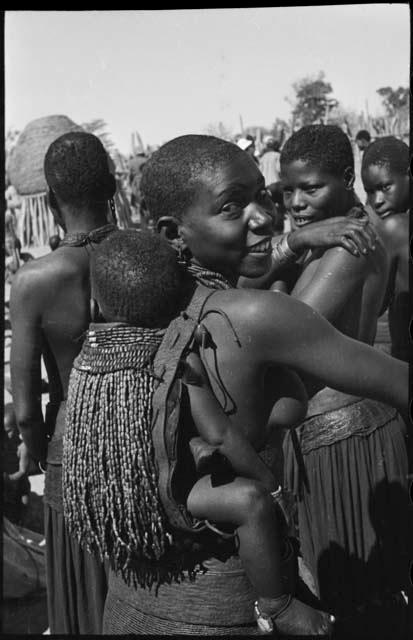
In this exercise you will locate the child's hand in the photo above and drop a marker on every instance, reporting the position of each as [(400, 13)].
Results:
[(194, 371)]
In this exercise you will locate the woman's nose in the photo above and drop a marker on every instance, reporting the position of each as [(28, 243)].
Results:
[(297, 201), (259, 218), (378, 198)]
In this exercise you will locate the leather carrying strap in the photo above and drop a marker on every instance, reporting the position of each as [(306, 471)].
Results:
[(166, 403)]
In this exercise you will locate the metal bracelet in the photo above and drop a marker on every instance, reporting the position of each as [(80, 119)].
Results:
[(282, 253)]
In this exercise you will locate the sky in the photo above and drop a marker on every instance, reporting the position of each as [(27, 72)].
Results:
[(168, 73)]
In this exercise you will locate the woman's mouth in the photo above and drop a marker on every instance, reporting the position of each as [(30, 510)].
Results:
[(261, 247), (300, 221)]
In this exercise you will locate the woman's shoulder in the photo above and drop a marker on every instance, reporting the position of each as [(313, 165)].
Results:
[(251, 306)]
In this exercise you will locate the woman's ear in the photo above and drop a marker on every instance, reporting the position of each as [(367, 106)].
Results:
[(95, 313), (349, 178), (168, 228)]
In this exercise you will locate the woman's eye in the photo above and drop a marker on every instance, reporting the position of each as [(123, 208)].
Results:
[(312, 190), (232, 208), (387, 187)]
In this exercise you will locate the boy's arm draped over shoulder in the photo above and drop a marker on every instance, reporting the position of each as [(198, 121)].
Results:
[(289, 332), (26, 302)]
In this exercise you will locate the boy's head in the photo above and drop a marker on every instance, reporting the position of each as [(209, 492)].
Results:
[(363, 139), (385, 175), (317, 172), (136, 279), (77, 171), (172, 177)]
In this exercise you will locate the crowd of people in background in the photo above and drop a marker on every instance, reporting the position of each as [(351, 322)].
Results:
[(294, 224)]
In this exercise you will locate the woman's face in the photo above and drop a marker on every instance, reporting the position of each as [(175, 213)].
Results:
[(311, 194), (228, 228)]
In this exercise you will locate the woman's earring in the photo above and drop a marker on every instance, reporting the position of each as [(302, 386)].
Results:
[(183, 255)]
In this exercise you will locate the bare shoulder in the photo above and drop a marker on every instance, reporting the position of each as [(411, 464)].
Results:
[(339, 260), (397, 226), (253, 309), (40, 276)]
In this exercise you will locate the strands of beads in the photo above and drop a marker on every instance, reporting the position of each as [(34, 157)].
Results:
[(211, 279), (82, 239), (111, 499)]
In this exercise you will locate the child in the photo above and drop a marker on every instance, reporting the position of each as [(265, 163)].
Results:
[(139, 288), (385, 175)]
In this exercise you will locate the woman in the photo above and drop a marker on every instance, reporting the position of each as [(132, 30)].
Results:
[(210, 202)]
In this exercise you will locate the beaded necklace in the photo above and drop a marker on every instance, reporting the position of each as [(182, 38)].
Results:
[(210, 279), (82, 239)]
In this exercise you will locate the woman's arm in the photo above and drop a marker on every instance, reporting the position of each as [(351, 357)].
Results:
[(217, 430), (25, 362), (289, 332)]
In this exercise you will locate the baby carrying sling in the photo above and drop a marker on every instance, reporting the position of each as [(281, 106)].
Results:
[(120, 447)]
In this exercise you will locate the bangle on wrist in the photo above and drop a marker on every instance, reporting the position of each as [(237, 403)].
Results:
[(282, 253)]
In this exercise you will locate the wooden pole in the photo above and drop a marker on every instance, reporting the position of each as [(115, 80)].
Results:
[(241, 123)]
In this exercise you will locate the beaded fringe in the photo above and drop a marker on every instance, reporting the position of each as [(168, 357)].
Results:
[(110, 484)]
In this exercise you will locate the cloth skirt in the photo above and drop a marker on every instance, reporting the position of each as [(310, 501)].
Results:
[(349, 476), (76, 580)]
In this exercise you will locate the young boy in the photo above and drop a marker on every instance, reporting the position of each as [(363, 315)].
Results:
[(385, 175), (139, 289)]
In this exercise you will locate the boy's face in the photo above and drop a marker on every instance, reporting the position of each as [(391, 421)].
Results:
[(228, 227), (311, 194), (387, 191)]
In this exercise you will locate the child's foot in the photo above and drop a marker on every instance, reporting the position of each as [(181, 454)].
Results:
[(288, 616)]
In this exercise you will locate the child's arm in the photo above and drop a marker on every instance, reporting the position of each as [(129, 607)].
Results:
[(215, 427)]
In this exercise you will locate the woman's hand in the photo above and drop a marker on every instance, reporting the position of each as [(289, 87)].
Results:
[(354, 234)]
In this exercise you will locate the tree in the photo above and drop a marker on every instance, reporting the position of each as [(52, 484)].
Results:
[(312, 101), (98, 128), (396, 105), (394, 100)]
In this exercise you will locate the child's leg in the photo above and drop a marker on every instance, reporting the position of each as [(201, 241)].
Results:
[(247, 505)]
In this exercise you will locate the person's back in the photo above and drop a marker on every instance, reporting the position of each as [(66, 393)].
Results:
[(269, 162), (50, 302), (385, 174)]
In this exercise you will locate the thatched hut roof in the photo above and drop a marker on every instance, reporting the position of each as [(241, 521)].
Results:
[(25, 165)]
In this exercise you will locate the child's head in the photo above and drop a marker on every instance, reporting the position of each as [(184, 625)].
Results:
[(363, 139), (136, 279), (317, 172), (385, 175)]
